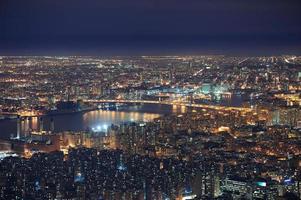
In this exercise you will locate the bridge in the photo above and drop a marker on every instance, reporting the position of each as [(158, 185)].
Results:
[(177, 103)]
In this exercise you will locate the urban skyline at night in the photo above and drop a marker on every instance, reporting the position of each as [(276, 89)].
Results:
[(150, 100)]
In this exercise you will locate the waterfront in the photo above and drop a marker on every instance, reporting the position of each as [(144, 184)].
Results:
[(103, 118), (91, 119), (225, 130)]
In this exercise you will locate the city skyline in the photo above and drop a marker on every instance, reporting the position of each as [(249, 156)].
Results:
[(150, 127), (150, 100)]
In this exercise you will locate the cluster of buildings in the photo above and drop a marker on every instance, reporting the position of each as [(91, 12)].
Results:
[(249, 152), (113, 174), (34, 85), (196, 155)]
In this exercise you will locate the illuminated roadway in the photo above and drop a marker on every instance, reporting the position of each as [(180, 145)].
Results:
[(177, 103), (174, 102)]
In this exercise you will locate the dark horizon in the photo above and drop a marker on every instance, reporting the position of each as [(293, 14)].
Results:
[(232, 27)]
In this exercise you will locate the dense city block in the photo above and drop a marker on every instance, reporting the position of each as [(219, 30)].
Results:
[(150, 127)]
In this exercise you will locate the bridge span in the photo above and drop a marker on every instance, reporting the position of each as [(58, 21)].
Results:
[(177, 103)]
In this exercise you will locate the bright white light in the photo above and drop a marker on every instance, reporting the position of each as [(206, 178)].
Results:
[(98, 128), (189, 197)]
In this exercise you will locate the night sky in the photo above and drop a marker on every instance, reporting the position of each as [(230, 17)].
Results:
[(136, 27)]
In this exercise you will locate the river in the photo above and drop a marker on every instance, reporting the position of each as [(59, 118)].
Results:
[(92, 119), (100, 118)]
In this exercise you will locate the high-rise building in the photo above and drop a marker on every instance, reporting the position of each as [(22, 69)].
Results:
[(238, 188), (207, 184)]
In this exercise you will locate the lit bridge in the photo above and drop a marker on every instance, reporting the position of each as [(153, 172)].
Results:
[(176, 103)]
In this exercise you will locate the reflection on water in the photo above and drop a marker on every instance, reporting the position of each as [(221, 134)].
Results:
[(227, 100), (29, 124), (103, 117), (92, 119), (179, 109), (83, 121)]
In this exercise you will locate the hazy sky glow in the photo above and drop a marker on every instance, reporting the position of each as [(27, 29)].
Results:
[(150, 26)]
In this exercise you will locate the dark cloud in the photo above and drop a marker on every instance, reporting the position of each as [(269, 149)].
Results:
[(226, 26)]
